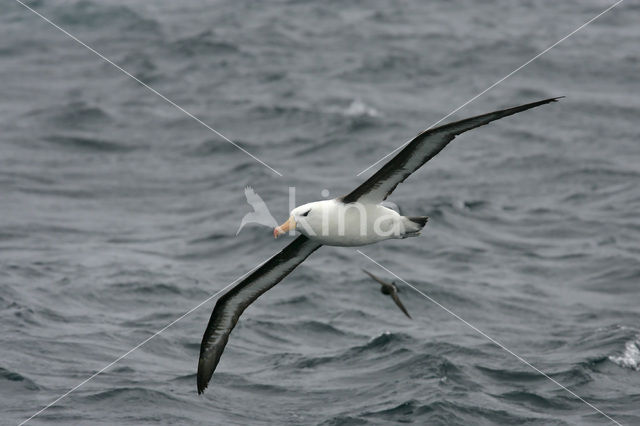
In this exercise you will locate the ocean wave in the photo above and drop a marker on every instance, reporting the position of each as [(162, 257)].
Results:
[(357, 108), (282, 112), (251, 386), (142, 66), (384, 341), (127, 395), (302, 299), (92, 15), (504, 375), (630, 357), (312, 329), (359, 354), (612, 277), (144, 288), (86, 143), (534, 401), (80, 115), (213, 146), (445, 412), (206, 43), (11, 379), (392, 65)]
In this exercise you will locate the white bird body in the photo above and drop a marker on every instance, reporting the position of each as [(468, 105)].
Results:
[(334, 223)]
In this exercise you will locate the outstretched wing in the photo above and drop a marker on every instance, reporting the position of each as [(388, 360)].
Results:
[(384, 283), (231, 305), (420, 150), (396, 298)]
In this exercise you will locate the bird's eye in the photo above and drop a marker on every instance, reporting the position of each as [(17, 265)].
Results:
[(306, 213)]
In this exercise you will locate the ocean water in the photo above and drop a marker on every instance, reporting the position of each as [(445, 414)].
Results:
[(118, 212)]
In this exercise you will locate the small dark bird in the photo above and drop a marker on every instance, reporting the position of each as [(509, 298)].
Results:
[(389, 289)]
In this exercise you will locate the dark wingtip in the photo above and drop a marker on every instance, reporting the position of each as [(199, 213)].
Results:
[(549, 100), (202, 385), (541, 102), (202, 377)]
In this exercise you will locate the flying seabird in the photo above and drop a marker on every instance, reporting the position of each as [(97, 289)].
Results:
[(390, 289), (352, 220)]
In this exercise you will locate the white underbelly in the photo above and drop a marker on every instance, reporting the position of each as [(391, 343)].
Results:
[(355, 225)]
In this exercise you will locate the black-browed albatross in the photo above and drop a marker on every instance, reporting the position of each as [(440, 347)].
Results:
[(355, 219)]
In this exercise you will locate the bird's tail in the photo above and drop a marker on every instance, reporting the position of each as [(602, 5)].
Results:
[(413, 225)]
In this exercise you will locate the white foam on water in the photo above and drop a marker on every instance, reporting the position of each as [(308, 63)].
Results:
[(359, 108), (630, 358)]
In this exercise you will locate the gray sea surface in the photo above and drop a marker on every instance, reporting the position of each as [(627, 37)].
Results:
[(118, 212)]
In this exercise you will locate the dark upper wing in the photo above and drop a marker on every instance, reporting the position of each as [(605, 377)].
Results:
[(396, 298), (231, 305), (420, 150), (384, 283)]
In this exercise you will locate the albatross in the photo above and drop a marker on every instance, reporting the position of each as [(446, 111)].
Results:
[(355, 219)]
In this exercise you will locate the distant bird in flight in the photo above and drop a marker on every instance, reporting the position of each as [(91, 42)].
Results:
[(390, 289), (355, 219), (260, 213)]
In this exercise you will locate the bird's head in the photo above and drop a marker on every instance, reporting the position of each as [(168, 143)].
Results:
[(298, 215)]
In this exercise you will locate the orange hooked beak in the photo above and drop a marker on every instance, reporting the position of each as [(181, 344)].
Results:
[(285, 227)]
